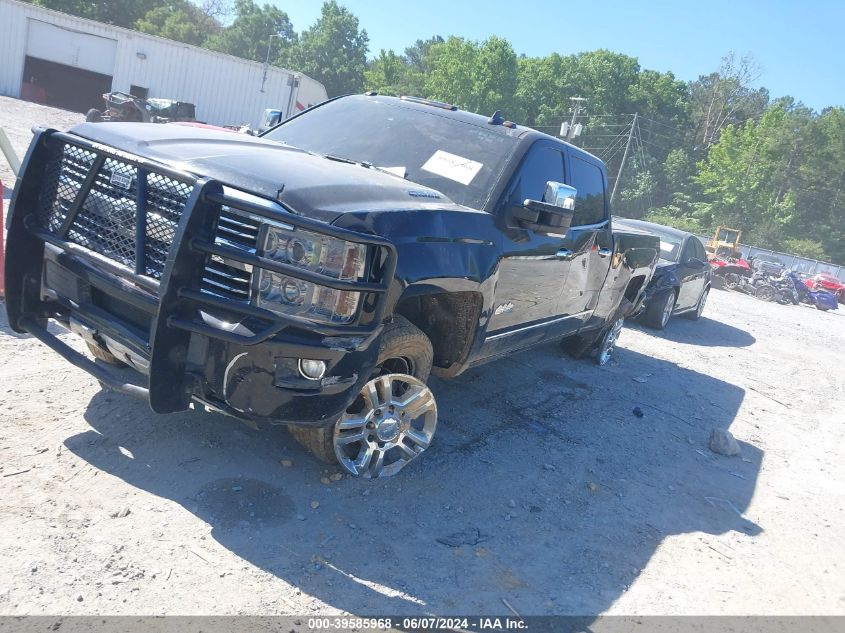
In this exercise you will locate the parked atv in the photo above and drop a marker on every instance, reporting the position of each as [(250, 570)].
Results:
[(121, 106), (757, 285)]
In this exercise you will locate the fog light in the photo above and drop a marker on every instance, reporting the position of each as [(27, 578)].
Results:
[(312, 369)]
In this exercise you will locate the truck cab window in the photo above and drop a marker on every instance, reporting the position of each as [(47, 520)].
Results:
[(540, 165), (589, 204)]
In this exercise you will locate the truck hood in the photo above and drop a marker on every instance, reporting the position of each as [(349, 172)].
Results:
[(308, 184)]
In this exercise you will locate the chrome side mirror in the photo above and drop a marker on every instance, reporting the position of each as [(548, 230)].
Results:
[(560, 195)]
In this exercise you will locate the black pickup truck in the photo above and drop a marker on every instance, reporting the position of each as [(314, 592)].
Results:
[(315, 276)]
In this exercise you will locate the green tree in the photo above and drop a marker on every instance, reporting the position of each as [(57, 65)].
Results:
[(387, 74), (726, 97), (255, 30), (451, 76), (477, 77), (333, 50), (741, 176), (182, 21), (418, 60), (118, 12), (678, 170)]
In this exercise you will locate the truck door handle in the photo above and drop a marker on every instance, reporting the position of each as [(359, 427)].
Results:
[(605, 252), (564, 253)]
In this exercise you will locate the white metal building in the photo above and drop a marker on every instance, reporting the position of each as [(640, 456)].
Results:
[(69, 62)]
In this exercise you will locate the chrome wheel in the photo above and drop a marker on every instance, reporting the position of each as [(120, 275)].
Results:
[(668, 308), (608, 342), (390, 424)]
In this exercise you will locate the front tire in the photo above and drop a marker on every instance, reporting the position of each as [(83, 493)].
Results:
[(404, 350), (93, 116), (660, 309)]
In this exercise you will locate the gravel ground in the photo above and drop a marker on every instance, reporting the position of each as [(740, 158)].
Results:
[(565, 501), (17, 119), (578, 506)]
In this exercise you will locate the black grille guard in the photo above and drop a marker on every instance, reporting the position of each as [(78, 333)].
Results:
[(179, 288)]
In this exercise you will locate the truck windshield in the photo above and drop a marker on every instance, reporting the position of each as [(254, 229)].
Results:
[(459, 159)]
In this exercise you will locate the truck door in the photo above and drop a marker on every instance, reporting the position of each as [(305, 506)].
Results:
[(531, 272), (588, 241)]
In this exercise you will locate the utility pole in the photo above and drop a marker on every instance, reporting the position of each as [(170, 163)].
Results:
[(569, 130), (267, 61), (624, 157)]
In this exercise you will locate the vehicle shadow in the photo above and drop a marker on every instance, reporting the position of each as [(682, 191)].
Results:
[(705, 332), (543, 488)]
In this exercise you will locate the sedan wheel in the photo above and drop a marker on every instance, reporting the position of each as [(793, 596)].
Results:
[(668, 308), (389, 425), (695, 315), (701, 302)]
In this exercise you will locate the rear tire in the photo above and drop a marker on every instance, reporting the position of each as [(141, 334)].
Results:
[(765, 292), (93, 116), (695, 315), (659, 310), (732, 281), (404, 349)]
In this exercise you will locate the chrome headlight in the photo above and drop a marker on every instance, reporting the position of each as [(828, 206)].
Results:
[(317, 253)]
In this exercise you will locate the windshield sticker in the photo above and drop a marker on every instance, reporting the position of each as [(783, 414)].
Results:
[(453, 167)]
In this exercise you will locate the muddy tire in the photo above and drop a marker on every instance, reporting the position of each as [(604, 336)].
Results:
[(93, 116), (105, 356), (404, 349)]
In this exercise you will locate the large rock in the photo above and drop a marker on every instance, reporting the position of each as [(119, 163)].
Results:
[(722, 442)]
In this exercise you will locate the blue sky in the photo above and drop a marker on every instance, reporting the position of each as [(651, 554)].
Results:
[(800, 46)]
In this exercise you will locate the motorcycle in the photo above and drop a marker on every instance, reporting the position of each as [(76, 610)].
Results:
[(791, 289)]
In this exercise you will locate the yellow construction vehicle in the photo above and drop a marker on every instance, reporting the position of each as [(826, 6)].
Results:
[(724, 244)]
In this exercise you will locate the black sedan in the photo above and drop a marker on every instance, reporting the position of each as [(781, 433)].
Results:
[(682, 278)]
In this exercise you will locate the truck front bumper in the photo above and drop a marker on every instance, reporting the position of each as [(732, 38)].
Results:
[(186, 344)]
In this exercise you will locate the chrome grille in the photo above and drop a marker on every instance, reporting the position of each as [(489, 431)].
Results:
[(224, 277)]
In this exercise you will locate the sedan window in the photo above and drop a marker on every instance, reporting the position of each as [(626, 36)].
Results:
[(670, 248)]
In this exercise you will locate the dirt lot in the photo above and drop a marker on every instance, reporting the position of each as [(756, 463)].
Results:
[(17, 118), (566, 501)]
